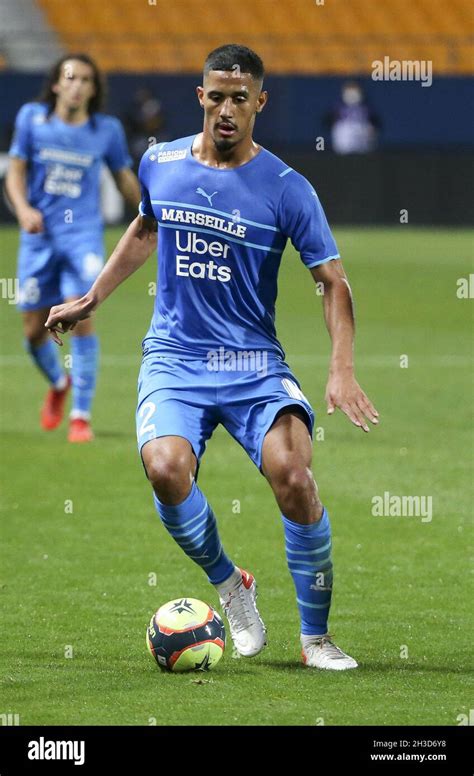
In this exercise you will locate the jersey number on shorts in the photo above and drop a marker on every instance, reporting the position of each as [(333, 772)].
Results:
[(147, 410)]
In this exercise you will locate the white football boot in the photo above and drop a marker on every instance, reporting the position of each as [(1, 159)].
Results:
[(237, 596), (321, 652)]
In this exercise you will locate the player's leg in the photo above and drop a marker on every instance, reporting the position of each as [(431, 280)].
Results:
[(271, 418), (172, 431), (81, 262), (39, 290), (286, 463), (84, 366), (170, 465), (174, 423), (41, 347)]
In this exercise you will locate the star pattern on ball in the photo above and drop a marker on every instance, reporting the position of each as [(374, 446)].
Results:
[(182, 606), (204, 665)]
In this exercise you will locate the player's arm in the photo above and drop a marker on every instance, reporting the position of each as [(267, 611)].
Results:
[(127, 183), (29, 218), (132, 250), (342, 389)]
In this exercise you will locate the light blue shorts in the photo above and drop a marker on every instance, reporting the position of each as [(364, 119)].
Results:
[(54, 268), (185, 398)]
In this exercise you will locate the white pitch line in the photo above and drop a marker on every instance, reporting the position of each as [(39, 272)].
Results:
[(451, 360)]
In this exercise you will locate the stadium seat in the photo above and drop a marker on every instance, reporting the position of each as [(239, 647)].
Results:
[(297, 36)]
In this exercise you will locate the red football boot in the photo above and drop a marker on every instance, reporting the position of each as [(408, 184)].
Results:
[(52, 411), (80, 430)]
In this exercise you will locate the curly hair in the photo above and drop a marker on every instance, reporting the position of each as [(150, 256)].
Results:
[(48, 96)]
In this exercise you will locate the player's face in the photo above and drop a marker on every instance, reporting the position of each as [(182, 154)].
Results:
[(231, 101), (75, 86)]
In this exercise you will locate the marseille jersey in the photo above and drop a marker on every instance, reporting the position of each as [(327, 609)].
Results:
[(64, 164), (221, 236)]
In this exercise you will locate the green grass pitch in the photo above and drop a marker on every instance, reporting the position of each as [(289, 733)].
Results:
[(79, 583)]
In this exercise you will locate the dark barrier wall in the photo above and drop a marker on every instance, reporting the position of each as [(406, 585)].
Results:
[(434, 188), (439, 116)]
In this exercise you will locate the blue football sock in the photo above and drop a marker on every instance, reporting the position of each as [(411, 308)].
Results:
[(193, 526), (47, 360), (85, 356), (308, 552)]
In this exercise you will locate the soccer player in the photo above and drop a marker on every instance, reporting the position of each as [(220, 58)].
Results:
[(53, 183), (224, 207)]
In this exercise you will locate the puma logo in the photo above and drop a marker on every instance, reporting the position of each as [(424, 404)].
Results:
[(208, 196)]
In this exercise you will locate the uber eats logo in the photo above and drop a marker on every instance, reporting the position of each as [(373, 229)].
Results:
[(190, 246)]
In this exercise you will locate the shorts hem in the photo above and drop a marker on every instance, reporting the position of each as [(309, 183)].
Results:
[(309, 418), (31, 308)]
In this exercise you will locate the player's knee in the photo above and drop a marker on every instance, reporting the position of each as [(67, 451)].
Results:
[(289, 472), (33, 327), (169, 472), (298, 481), (35, 335), (293, 482)]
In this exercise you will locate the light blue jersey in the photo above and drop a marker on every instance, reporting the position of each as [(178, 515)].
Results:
[(63, 178), (64, 164), (221, 236)]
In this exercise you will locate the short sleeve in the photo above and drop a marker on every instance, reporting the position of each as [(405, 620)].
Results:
[(21, 142), (145, 208), (117, 156), (303, 220)]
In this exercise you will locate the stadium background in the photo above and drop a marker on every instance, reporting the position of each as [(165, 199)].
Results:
[(84, 579)]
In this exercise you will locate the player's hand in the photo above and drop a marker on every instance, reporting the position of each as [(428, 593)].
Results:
[(63, 317), (344, 391), (31, 220)]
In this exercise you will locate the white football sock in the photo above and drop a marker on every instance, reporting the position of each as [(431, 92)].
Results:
[(79, 415), (60, 384)]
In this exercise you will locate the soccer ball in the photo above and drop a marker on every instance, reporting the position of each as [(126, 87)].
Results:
[(186, 635)]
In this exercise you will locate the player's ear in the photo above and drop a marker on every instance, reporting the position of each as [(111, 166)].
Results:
[(200, 95), (261, 102)]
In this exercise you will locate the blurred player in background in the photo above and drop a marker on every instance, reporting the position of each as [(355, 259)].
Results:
[(225, 208), (53, 183), (354, 126)]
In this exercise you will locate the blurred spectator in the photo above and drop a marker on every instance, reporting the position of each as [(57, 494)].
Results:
[(144, 120), (354, 127)]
